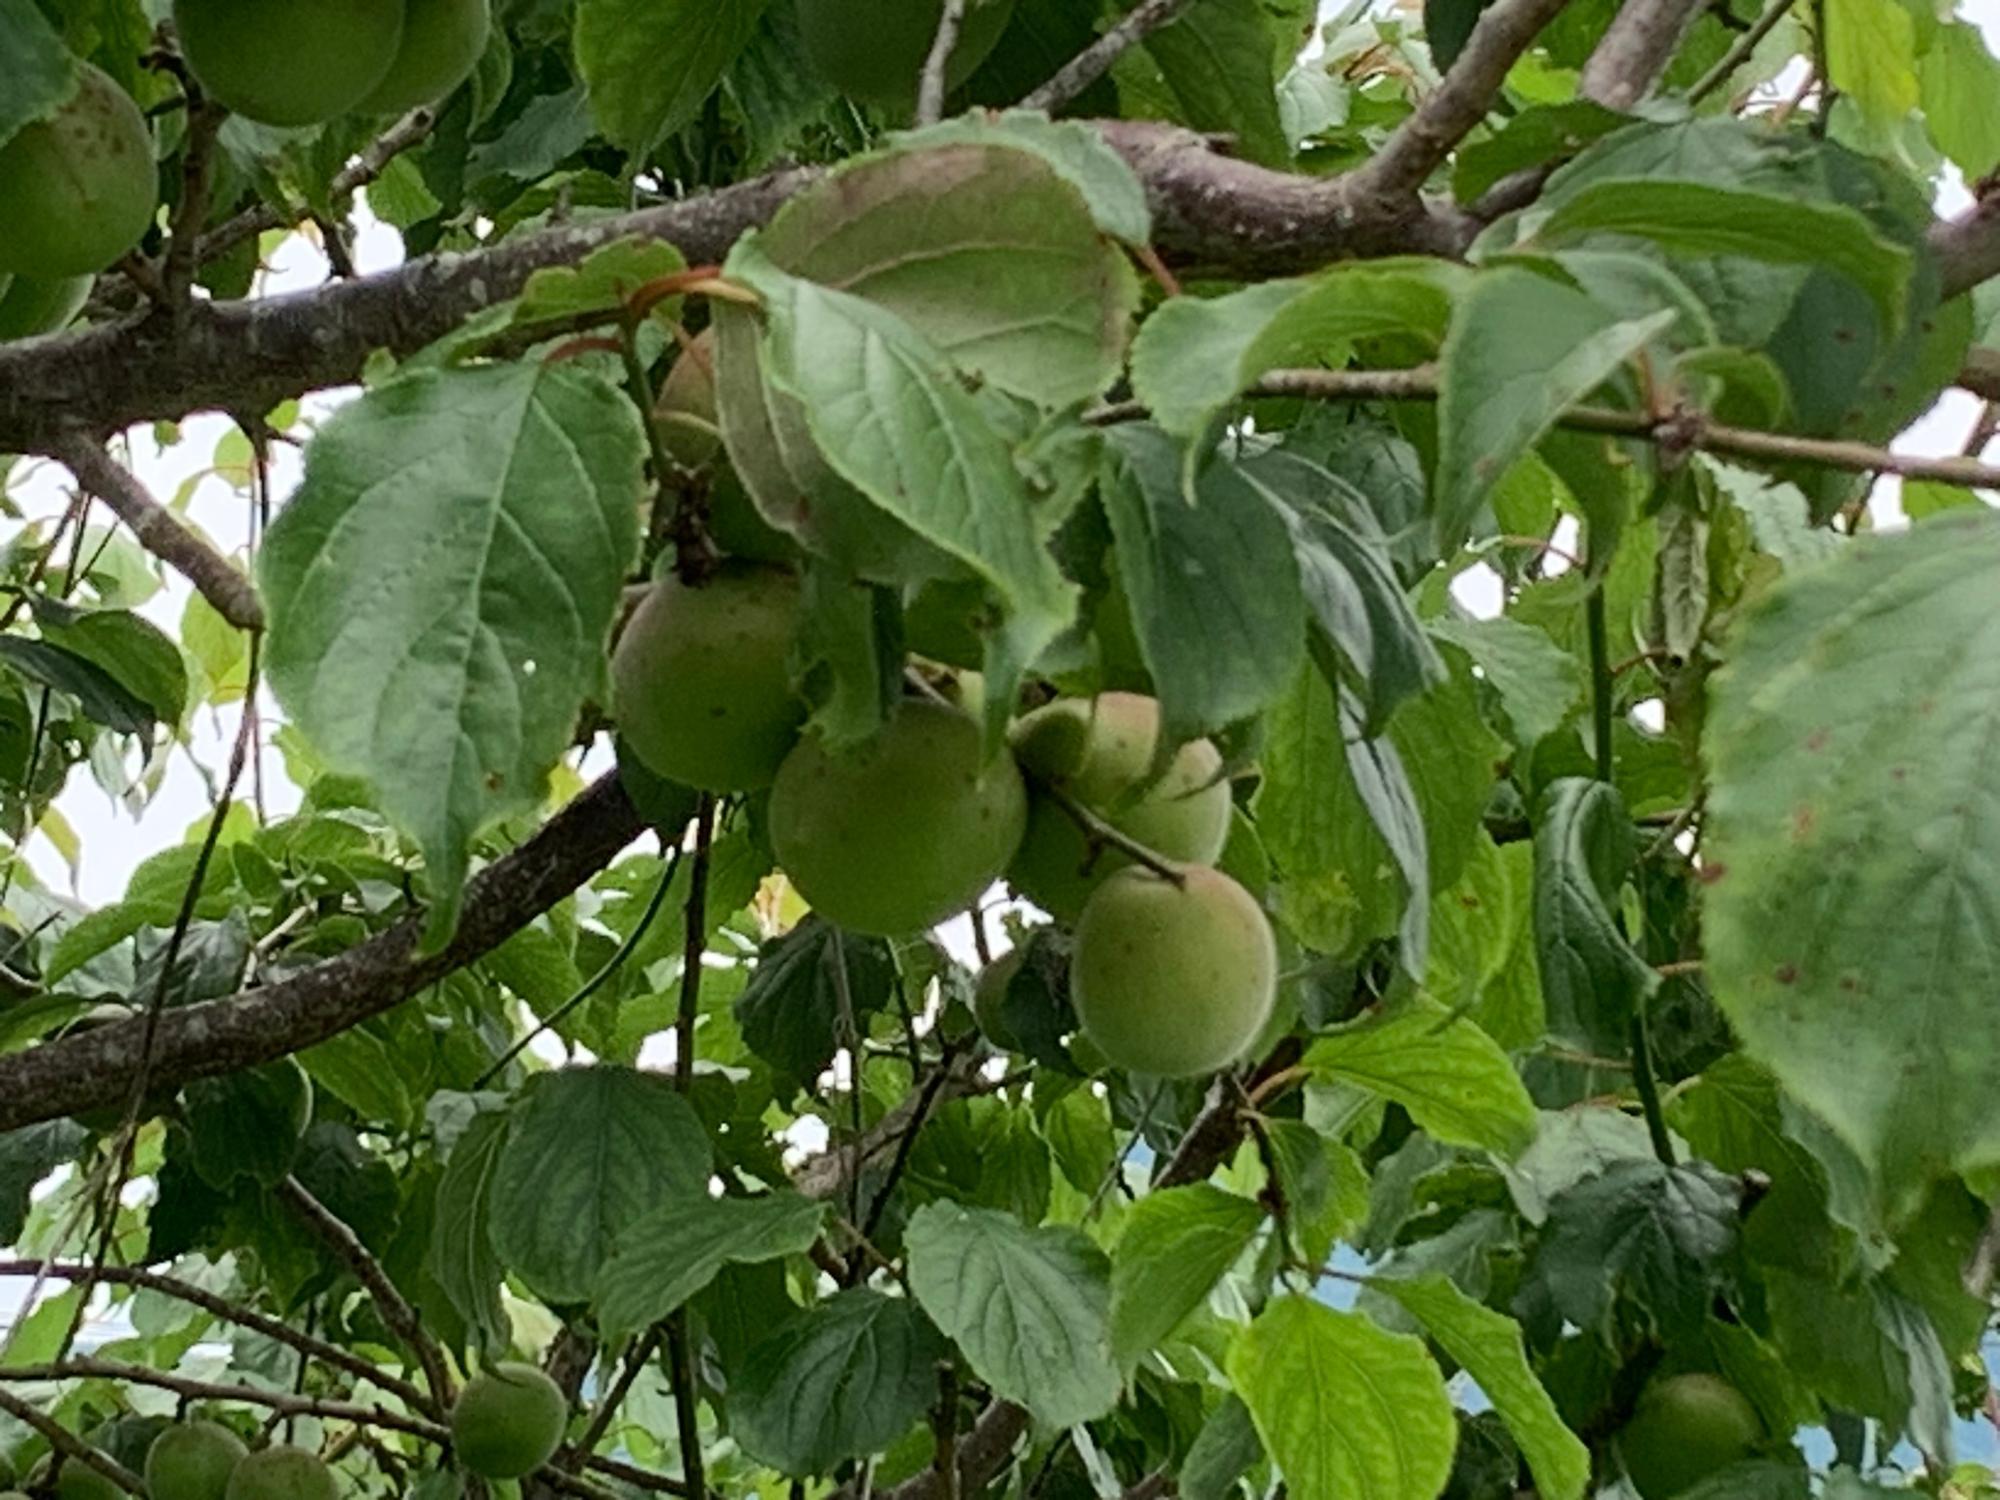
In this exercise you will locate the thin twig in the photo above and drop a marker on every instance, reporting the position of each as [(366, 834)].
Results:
[(687, 1420), (944, 1461), (1103, 834), (73, 1448), (906, 1141), (1091, 64), (607, 1408), (1648, 1089), (1635, 50), (161, 533), (696, 945), (930, 85), (204, 123), (1739, 51)]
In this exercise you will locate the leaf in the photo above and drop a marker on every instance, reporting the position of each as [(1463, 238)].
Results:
[(676, 1250), (1852, 846), (29, 1154), (1212, 582), (1539, 683), (1641, 1231), (1488, 1347), (844, 1380), (442, 588), (1219, 63), (591, 1151), (1536, 135), (1225, 1449), (100, 696), (1866, 1349), (651, 64), (37, 72), (1174, 1247), (134, 652), (599, 283), (1452, 1077), (1030, 1308), (1348, 1410), (1195, 356), (1522, 350), (1079, 154), (249, 1124), (1961, 79), (1593, 980), (1871, 56), (790, 1010), (460, 1256)]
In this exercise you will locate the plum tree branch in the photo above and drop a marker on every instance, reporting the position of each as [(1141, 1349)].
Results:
[(930, 86), (73, 1448), (92, 1069), (1091, 64), (1635, 50)]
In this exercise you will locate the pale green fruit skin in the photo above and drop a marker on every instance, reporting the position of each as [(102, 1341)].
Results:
[(282, 1473), (442, 43), (1171, 981), (989, 997), (896, 834), (31, 305), (701, 680), (1684, 1429), (1098, 751), (508, 1421), (289, 62), (81, 1482), (875, 49), (734, 524), (193, 1462), (80, 187)]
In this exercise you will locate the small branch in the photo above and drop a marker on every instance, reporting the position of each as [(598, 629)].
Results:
[(607, 1408), (197, 178), (944, 1422), (906, 1140), (696, 945), (394, 1307), (930, 84), (1602, 687), (1648, 1089), (1635, 50), (1091, 64), (73, 1448), (687, 1420), (1457, 106), (1103, 835), (1739, 51), (1981, 374), (161, 533)]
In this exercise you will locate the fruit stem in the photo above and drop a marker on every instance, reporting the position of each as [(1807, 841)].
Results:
[(1649, 1089), (1103, 835)]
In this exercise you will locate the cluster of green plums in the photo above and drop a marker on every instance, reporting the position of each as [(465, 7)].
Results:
[(507, 1422), (1170, 976)]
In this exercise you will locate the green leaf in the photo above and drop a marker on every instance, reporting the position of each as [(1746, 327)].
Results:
[(1871, 56), (651, 64), (1220, 65), (37, 72), (1487, 1346), (590, 1153), (1212, 581), (442, 588), (460, 1256), (360, 1069), (844, 1380), (1878, 803), (1532, 137), (1079, 154), (1452, 1077), (1522, 350), (1195, 356), (1592, 978), (1961, 79), (599, 283), (1225, 1449), (101, 697), (1029, 1307), (1866, 1349), (249, 1124), (1173, 1248), (676, 1250), (790, 1010), (26, 1157), (1539, 683), (132, 650), (1348, 1410)]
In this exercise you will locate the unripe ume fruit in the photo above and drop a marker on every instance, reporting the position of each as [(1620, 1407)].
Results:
[(282, 1473), (989, 1000), (508, 1421), (442, 42), (701, 680), (41, 304), (875, 51), (1684, 1429), (80, 187), (289, 62), (81, 1482), (1099, 751), (193, 1462), (901, 831), (1173, 980)]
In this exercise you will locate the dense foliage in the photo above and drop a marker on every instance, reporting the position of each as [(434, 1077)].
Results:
[(1355, 534)]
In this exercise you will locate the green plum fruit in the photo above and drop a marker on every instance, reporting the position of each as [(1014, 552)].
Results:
[(193, 1461), (442, 43), (41, 304), (989, 1000), (289, 62), (281, 1472), (80, 187), (1100, 751), (1173, 980), (508, 1421), (1684, 1428), (81, 1482), (701, 679), (901, 831), (875, 49), (685, 412)]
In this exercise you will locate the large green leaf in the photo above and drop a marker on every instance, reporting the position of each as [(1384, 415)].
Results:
[(1080, 154), (460, 1257), (37, 72), (101, 697), (1212, 581), (1537, 681), (676, 1250), (1593, 979), (1452, 1077), (1219, 62), (790, 1012), (1961, 79), (138, 655), (1871, 55), (26, 1157), (591, 1151), (1852, 850), (1173, 1248), (442, 587), (1348, 1410), (650, 64), (1030, 1307), (843, 1380)]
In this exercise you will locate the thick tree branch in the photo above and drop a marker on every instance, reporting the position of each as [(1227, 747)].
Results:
[(1968, 247), (160, 531), (1091, 64), (1453, 109), (94, 1069), (1635, 50), (1981, 374)]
